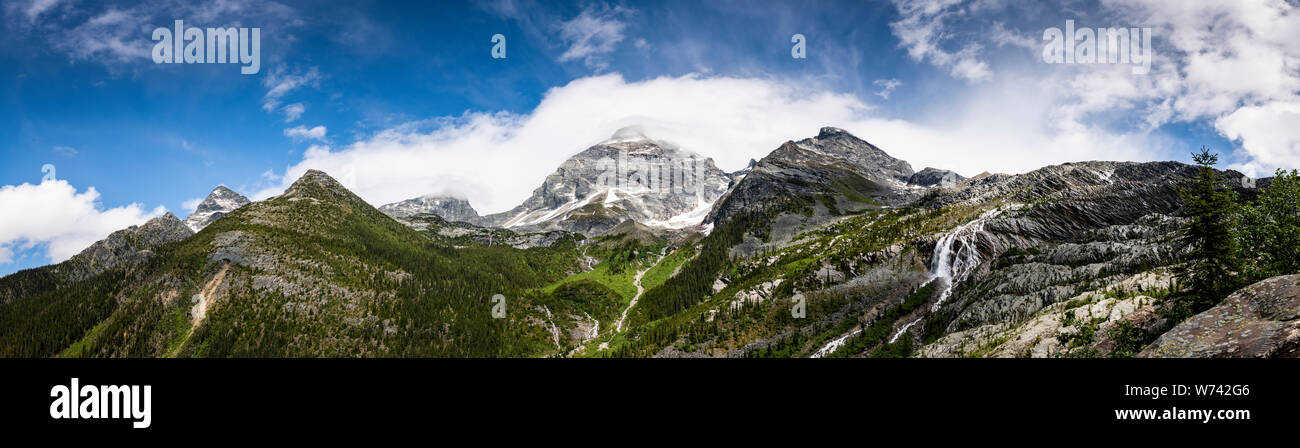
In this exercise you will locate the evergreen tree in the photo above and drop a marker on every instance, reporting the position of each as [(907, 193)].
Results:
[(1212, 264), (1272, 228)]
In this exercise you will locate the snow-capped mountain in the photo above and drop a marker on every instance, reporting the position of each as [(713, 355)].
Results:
[(629, 176), (221, 201), (446, 207)]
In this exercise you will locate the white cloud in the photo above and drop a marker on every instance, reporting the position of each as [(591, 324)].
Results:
[(887, 86), (117, 34), (921, 30), (592, 33), (497, 159), (192, 204), (54, 214), (66, 151), (1268, 133), (1234, 66), (112, 36), (299, 133), (36, 7), (292, 112), (279, 83)]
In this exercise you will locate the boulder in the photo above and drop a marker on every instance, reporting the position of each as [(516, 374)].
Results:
[(1259, 321)]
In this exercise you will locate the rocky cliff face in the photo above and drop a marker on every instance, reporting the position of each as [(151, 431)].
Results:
[(1259, 321), (1069, 229), (834, 168), (220, 202), (446, 207), (629, 176)]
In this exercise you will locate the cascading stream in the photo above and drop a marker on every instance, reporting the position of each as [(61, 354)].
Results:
[(954, 265), (903, 330), (956, 256)]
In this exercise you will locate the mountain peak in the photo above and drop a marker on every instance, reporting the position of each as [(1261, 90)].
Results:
[(316, 186), (220, 202), (829, 131), (629, 133), (221, 190), (316, 178), (630, 176), (448, 208)]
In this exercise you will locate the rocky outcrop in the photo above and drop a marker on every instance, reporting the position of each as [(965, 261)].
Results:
[(464, 234), (449, 208), (1259, 321), (934, 177), (1049, 332)]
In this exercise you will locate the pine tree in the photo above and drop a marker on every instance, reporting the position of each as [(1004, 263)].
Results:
[(1212, 265)]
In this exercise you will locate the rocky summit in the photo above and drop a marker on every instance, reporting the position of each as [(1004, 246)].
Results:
[(219, 203), (446, 207)]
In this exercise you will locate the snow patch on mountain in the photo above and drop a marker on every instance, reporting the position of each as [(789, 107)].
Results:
[(219, 203)]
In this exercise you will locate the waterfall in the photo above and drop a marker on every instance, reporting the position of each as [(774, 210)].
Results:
[(834, 345), (903, 330), (954, 265)]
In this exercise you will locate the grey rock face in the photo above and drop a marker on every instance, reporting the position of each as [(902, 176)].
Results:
[(449, 208), (629, 176), (459, 233), (130, 245), (1087, 225), (835, 164), (867, 158), (220, 202), (934, 177), (1259, 321)]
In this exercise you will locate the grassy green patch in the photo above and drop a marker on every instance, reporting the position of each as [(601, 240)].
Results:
[(619, 282), (661, 272)]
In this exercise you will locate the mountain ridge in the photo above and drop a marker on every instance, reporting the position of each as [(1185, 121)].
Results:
[(892, 262)]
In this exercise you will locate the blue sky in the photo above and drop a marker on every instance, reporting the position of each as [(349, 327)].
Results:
[(402, 99)]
